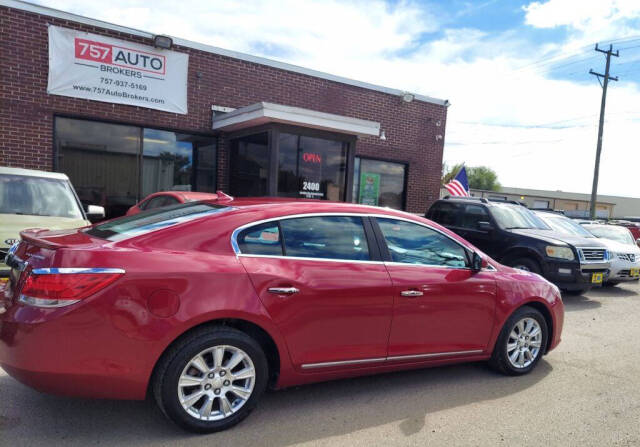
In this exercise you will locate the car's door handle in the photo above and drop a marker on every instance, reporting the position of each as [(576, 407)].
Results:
[(283, 290), (411, 293)]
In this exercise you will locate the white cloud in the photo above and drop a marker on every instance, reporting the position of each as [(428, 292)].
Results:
[(588, 21), (582, 15), (506, 113)]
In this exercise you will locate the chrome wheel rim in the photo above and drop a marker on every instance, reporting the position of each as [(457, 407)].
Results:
[(216, 383), (524, 343)]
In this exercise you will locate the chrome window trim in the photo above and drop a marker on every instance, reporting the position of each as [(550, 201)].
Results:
[(236, 248), (301, 258), (388, 358), (489, 268), (74, 270)]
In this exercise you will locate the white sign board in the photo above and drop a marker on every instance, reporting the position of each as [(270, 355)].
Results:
[(83, 65)]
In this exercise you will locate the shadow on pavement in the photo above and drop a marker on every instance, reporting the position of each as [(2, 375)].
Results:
[(301, 414), (612, 292), (579, 302)]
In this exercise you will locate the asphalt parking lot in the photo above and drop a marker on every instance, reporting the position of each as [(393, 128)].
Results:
[(586, 392)]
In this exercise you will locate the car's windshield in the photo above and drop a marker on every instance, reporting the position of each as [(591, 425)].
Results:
[(613, 232), (138, 224), (567, 226), (511, 217), (37, 196)]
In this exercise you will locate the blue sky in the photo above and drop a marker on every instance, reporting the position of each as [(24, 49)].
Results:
[(516, 72)]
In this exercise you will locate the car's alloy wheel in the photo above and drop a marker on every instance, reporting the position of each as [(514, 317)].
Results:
[(216, 383), (210, 379), (521, 343), (524, 343)]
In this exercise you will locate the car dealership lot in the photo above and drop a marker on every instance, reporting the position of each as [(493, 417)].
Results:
[(586, 392)]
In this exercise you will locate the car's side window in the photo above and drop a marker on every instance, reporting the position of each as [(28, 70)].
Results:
[(170, 200), (156, 202), (472, 215), (326, 237), (411, 243), (143, 205), (263, 239), (445, 214)]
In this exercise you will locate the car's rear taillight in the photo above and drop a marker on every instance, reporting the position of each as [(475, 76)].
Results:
[(65, 286)]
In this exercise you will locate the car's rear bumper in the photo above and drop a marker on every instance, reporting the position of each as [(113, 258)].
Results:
[(73, 353)]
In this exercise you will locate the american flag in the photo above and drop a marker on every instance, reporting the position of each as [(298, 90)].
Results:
[(459, 186)]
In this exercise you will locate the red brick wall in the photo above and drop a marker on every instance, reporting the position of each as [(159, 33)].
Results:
[(27, 111)]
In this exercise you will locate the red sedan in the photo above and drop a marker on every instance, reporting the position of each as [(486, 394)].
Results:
[(206, 304), (168, 198)]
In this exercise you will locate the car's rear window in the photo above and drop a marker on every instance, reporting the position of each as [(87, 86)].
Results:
[(138, 224)]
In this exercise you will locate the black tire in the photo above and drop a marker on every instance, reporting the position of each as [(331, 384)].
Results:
[(174, 361), (527, 264), (500, 359), (611, 283)]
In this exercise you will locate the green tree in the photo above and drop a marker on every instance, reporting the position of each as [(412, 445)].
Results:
[(449, 173), (480, 177)]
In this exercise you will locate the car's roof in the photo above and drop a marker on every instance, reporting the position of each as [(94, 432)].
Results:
[(184, 195), (548, 214), (282, 206), (33, 173), (478, 201), (603, 225)]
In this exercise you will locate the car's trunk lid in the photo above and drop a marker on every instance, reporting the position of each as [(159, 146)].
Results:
[(40, 248)]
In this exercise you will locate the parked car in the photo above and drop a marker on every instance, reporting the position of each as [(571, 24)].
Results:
[(31, 199), (633, 227), (625, 256), (208, 303), (167, 198), (514, 236)]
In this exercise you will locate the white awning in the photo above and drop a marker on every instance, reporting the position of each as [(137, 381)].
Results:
[(266, 112)]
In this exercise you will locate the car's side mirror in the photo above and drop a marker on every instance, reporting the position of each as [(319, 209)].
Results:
[(485, 226), (477, 262), (95, 213)]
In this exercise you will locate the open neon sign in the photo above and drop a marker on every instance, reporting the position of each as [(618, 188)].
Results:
[(310, 157)]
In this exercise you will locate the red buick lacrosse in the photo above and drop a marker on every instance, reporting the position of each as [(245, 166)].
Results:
[(204, 305)]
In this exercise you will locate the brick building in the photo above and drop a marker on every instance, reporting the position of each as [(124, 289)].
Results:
[(253, 126)]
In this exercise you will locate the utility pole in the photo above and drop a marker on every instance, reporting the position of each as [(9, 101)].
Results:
[(604, 84)]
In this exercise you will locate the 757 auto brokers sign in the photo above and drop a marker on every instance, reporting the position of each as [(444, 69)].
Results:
[(83, 65)]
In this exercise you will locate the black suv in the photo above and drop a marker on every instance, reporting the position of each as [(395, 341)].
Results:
[(513, 235)]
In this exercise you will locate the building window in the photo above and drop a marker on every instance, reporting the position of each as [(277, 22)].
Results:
[(541, 204), (313, 168), (250, 165), (116, 165), (379, 183)]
